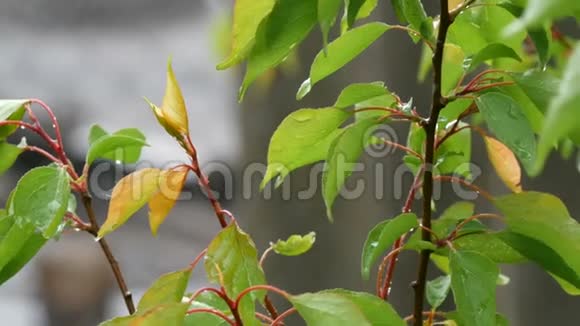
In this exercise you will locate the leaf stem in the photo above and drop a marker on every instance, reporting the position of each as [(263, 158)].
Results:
[(197, 259), (430, 126), (283, 315), (258, 288), (463, 182)]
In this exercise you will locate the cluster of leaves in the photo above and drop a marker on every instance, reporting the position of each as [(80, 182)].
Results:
[(506, 73)]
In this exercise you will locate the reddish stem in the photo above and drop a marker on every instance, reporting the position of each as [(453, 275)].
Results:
[(42, 152), (283, 315), (485, 87), (265, 255), (383, 289), (479, 76), (399, 243), (403, 148), (197, 259), (258, 288), (264, 318), (463, 182), (458, 228), (454, 129), (219, 293), (204, 184)]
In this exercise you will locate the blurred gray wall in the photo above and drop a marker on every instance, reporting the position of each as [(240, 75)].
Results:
[(93, 61)]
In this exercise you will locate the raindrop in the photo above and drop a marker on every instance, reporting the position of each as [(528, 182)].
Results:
[(22, 127), (513, 113), (117, 162), (302, 116), (53, 126)]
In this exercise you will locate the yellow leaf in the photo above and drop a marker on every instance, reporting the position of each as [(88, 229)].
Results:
[(454, 4), (173, 106), (171, 184), (129, 195), (505, 164)]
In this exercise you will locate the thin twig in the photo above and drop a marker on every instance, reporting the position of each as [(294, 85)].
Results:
[(127, 296)]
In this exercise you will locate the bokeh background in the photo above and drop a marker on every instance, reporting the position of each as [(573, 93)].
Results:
[(93, 60)]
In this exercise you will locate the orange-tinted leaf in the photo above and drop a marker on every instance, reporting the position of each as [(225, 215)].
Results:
[(173, 106), (505, 163), (129, 195), (454, 4), (170, 187)]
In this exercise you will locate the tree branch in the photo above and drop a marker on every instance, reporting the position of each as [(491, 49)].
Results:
[(127, 296), (430, 126)]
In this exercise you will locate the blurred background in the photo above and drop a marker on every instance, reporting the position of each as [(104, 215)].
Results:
[(92, 61)]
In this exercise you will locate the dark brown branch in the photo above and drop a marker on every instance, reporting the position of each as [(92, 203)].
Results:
[(94, 230), (438, 103)]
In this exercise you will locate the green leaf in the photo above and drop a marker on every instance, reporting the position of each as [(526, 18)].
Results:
[(295, 245), (490, 245), (95, 133), (540, 86), (8, 155), (419, 245), (437, 290), (343, 154), (454, 155), (542, 230), (473, 280), (342, 307), (453, 70), (169, 288), (539, 12), (541, 36), (11, 110), (506, 120), (286, 26), (327, 11), (359, 93), (124, 145), (18, 244), (542, 254), (232, 258), (528, 107), (9, 107), (248, 14), (304, 137), (493, 51), (478, 27), (41, 199), (340, 52), (356, 9), (169, 314), (457, 321), (415, 15), (203, 318), (563, 116), (207, 300), (382, 237)]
